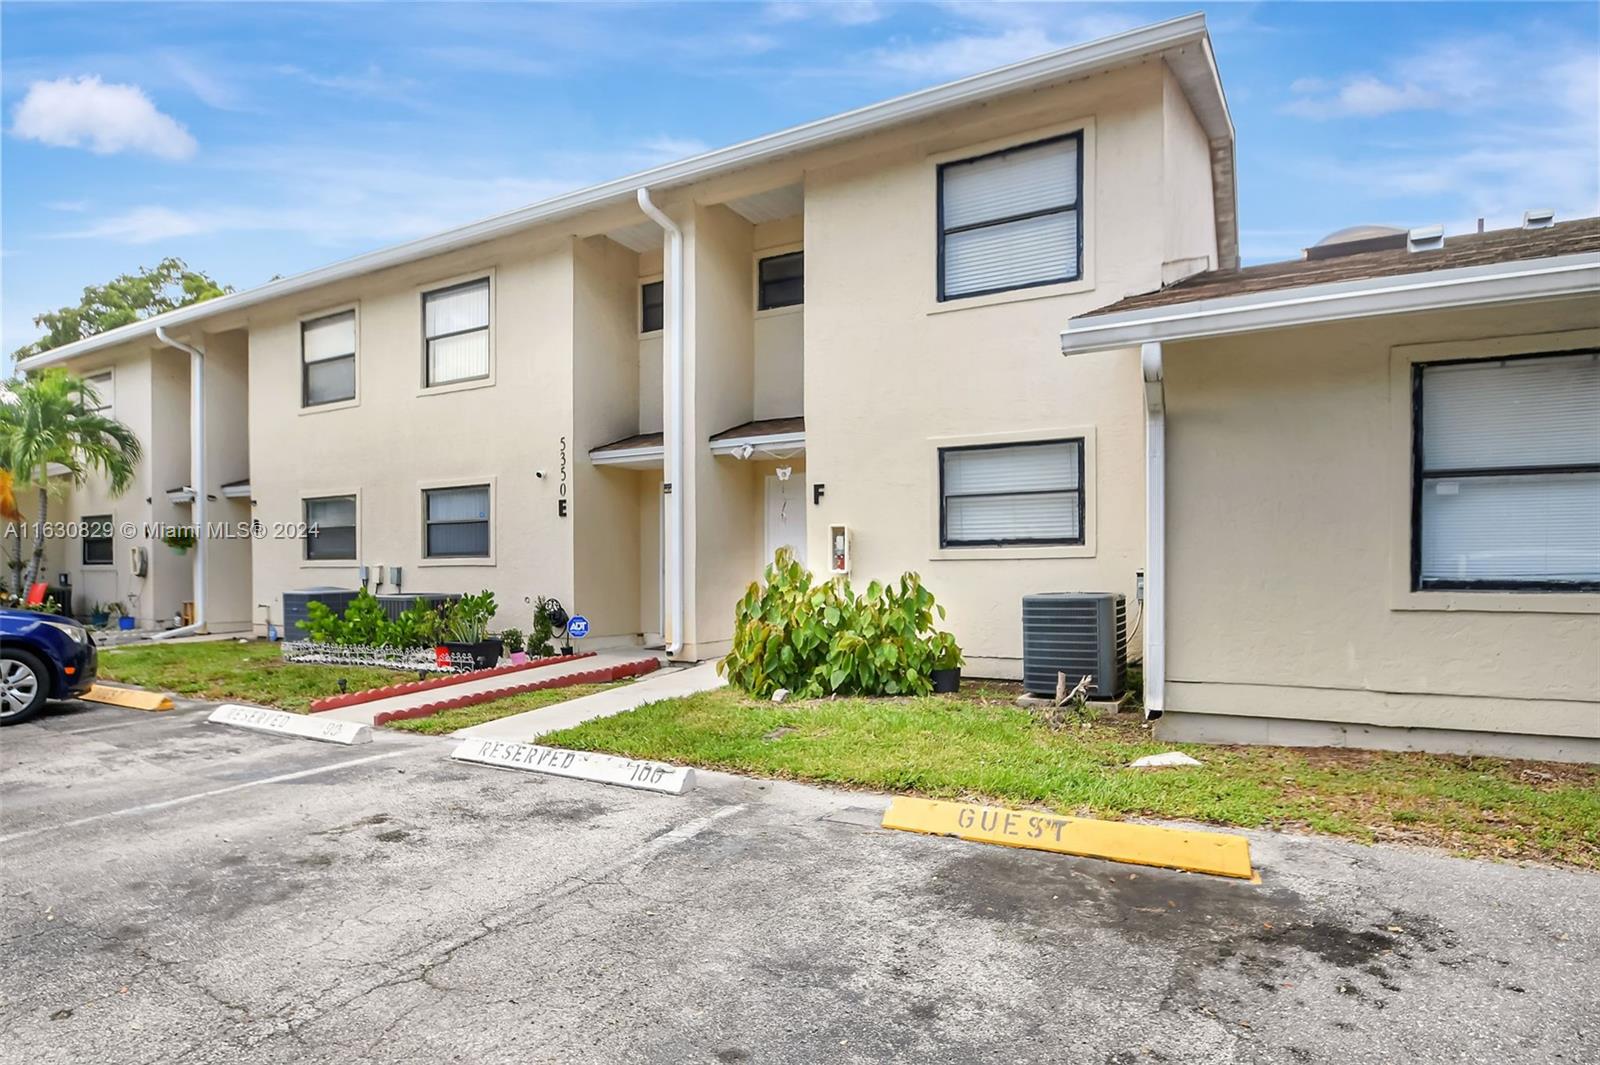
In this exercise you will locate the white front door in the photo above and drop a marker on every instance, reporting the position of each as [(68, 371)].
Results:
[(786, 516)]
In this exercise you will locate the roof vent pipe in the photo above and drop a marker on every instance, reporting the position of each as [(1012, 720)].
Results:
[(673, 451), (1425, 238), (1540, 218)]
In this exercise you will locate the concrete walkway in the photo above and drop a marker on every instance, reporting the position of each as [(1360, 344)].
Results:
[(652, 688), (366, 713)]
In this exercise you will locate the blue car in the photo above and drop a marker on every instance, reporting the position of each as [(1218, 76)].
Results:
[(42, 656)]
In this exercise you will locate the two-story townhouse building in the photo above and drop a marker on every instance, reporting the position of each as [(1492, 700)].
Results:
[(629, 396)]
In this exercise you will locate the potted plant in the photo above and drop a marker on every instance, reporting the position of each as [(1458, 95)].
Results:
[(466, 628), (947, 662), (98, 616), (180, 539), (124, 619)]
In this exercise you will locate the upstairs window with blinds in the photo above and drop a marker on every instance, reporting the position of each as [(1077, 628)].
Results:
[(1005, 494), (456, 522), (455, 324), (1012, 219), (104, 385), (331, 528), (1506, 486), (328, 359)]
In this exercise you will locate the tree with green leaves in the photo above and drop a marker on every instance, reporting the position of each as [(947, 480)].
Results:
[(168, 285), (53, 418)]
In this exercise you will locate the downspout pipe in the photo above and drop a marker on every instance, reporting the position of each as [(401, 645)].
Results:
[(673, 452), (1155, 516), (197, 479)]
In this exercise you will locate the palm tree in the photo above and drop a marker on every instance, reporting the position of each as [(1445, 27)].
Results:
[(52, 418)]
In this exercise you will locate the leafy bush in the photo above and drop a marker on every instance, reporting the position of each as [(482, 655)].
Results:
[(467, 619), (822, 639), (513, 639), (365, 623), (540, 643)]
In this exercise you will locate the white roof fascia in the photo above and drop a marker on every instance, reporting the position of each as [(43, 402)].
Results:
[(1530, 279), (635, 458), (1165, 38), (782, 441)]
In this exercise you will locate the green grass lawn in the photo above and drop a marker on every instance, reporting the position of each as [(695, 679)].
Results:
[(980, 746), (252, 672), (450, 720)]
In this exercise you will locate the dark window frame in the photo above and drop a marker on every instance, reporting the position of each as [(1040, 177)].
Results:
[(313, 531), (487, 522), (1420, 473), (1016, 541), (646, 306), (422, 306), (940, 232), (305, 367), (762, 302), (109, 540)]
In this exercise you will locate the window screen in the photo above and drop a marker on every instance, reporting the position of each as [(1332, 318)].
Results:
[(97, 545), (1507, 484), (651, 314), (455, 323), (457, 522), (1012, 494), (1011, 219), (781, 281), (328, 355), (104, 385), (331, 527)]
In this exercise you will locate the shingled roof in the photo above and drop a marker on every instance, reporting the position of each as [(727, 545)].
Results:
[(1472, 249)]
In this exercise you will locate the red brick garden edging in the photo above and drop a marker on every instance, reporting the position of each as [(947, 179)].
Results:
[(591, 676), (334, 702)]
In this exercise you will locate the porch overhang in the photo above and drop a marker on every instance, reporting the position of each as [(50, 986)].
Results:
[(642, 451), (766, 438)]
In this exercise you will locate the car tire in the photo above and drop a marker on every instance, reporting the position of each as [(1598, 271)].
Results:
[(24, 686)]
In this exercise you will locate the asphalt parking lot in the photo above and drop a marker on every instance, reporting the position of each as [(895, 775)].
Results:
[(181, 892)]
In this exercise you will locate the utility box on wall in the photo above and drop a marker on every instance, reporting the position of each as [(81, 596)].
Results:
[(838, 550)]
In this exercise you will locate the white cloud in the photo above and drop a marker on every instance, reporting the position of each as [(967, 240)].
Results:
[(107, 119), (843, 12), (1001, 34), (1362, 97)]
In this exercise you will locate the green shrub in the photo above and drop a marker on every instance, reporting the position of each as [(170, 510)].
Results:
[(365, 623), (823, 639), (513, 640), (467, 619), (540, 639)]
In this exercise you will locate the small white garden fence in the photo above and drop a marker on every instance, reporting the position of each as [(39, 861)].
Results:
[(408, 658)]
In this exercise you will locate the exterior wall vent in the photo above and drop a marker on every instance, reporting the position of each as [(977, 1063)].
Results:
[(1081, 634), (1542, 218), (1425, 238)]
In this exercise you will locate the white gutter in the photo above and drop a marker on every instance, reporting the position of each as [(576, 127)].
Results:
[(1530, 279), (673, 472), (197, 478), (1183, 42), (1155, 533)]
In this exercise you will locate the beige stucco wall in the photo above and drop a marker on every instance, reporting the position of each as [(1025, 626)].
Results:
[(397, 438), (1288, 518), (891, 374), (604, 503), (779, 333), (1189, 220), (228, 576)]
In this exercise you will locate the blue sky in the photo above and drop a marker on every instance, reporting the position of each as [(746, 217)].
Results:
[(257, 139)]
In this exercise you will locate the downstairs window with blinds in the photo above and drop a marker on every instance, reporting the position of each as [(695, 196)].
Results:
[(456, 522), (1011, 219), (330, 528), (455, 325), (1506, 486), (1007, 494), (328, 359)]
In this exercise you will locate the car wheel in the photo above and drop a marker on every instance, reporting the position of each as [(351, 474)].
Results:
[(24, 685)]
